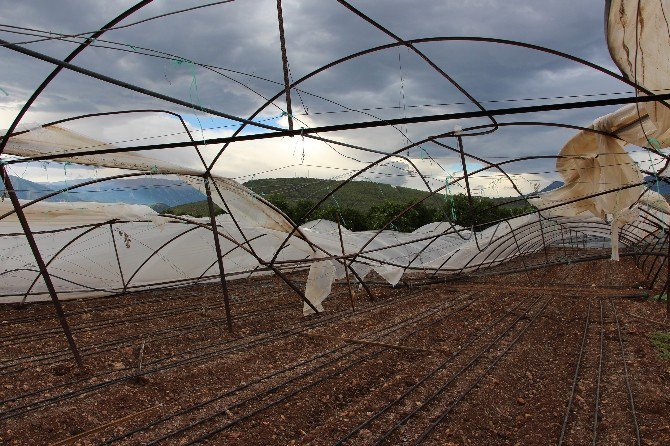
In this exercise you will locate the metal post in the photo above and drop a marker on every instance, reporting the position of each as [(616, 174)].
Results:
[(544, 241), (284, 59), (465, 171), (667, 283), (219, 258), (118, 260), (40, 263), (344, 262)]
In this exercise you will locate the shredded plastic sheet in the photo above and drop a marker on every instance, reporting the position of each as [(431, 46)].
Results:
[(637, 37), (52, 140), (75, 212), (594, 163)]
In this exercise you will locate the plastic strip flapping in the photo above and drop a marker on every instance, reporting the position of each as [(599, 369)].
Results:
[(594, 162)]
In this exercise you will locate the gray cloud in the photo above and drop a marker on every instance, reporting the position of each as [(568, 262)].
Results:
[(243, 36)]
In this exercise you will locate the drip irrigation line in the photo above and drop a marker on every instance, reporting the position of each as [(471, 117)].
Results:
[(629, 390), (309, 373), (261, 338), (242, 387), (580, 356), (425, 378), (383, 439), (596, 412), (171, 332), (492, 366)]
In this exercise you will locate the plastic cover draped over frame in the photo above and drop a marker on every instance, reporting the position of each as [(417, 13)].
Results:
[(82, 258), (594, 163)]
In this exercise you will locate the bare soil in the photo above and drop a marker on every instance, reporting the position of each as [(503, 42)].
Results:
[(484, 360)]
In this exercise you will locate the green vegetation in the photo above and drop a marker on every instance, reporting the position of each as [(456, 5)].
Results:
[(456, 210), (195, 209), (364, 205), (661, 340)]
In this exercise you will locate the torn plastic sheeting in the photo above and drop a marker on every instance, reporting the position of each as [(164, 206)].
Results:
[(244, 204), (76, 213), (51, 140)]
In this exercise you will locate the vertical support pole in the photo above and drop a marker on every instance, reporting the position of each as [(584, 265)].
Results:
[(465, 171), (344, 262), (219, 258), (518, 249), (544, 241), (667, 283), (284, 59), (118, 260), (40, 263)]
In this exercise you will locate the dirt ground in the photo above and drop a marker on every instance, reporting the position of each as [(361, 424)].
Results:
[(561, 354)]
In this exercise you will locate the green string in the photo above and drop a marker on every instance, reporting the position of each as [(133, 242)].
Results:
[(449, 198), (193, 93), (67, 186), (339, 211), (4, 91)]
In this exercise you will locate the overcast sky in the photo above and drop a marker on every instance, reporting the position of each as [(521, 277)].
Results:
[(241, 39)]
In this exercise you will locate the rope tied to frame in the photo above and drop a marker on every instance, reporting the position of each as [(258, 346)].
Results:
[(449, 198), (339, 210)]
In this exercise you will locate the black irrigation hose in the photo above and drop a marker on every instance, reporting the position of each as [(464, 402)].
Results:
[(139, 337), (627, 380), (453, 378), (111, 323), (246, 315), (444, 414), (230, 392), (262, 338), (103, 347), (580, 356), (308, 373), (411, 389), (599, 374), (174, 311), (114, 305)]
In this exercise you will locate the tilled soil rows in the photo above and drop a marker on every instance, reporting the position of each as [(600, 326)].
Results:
[(559, 355)]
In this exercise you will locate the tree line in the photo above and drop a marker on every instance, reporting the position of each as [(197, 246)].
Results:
[(458, 209)]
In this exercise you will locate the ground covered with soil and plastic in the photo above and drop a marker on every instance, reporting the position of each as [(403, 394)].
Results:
[(569, 354)]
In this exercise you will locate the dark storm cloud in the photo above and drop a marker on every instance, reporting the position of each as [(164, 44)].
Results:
[(243, 36)]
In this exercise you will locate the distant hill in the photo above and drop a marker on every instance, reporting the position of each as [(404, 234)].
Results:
[(359, 195), (149, 191), (196, 209), (28, 190), (146, 191), (552, 186)]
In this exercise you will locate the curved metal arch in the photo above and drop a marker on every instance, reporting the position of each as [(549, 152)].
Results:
[(63, 248), (437, 39), (128, 12), (156, 251)]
